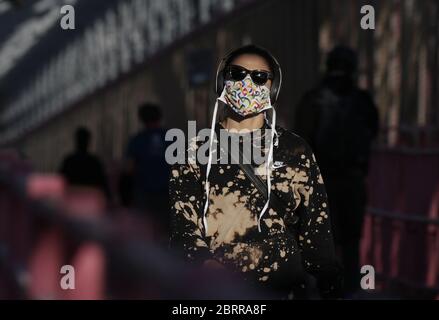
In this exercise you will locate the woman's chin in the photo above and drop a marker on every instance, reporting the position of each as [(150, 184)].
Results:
[(230, 113)]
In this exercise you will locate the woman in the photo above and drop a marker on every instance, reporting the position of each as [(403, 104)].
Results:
[(270, 223)]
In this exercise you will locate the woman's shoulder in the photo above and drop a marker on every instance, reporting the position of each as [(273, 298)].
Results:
[(290, 140), (294, 149)]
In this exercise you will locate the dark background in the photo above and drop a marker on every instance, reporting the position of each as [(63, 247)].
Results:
[(123, 53)]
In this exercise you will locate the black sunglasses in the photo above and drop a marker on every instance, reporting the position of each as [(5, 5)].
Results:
[(238, 73)]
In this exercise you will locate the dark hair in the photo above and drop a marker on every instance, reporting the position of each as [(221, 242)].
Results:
[(149, 113), (82, 137), (342, 58), (252, 49)]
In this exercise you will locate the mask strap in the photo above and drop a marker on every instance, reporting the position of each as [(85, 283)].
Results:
[(268, 166), (276, 141), (209, 165)]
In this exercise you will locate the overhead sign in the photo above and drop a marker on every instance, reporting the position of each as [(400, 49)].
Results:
[(121, 38)]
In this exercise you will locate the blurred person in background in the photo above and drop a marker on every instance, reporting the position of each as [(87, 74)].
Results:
[(144, 182), (226, 217), (340, 121), (81, 168)]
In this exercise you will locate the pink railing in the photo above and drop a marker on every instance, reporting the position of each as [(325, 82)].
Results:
[(45, 225), (401, 229)]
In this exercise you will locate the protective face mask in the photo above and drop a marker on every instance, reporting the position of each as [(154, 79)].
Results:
[(254, 101), (245, 97)]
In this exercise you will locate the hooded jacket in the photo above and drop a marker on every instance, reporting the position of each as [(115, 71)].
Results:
[(281, 256)]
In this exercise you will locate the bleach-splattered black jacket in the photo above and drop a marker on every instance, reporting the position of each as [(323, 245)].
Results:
[(282, 255)]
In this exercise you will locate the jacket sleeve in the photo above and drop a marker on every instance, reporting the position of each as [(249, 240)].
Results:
[(315, 235), (186, 200)]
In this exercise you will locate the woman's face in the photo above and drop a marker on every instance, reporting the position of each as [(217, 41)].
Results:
[(253, 62)]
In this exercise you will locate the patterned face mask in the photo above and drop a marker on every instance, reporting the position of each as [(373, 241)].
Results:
[(245, 97)]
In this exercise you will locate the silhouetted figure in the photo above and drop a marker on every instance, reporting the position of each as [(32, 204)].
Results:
[(144, 183), (81, 168), (340, 121)]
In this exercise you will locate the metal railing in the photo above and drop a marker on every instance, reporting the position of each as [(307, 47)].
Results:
[(152, 265), (405, 217)]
